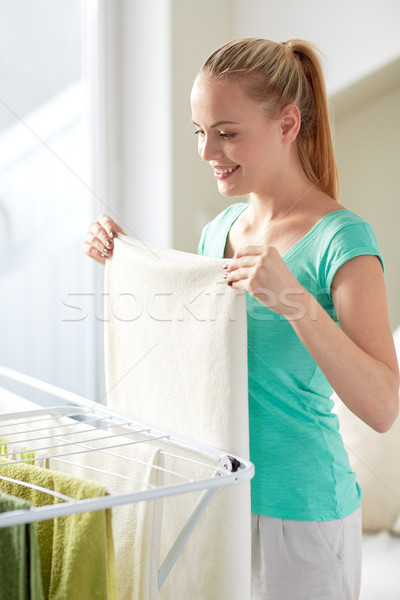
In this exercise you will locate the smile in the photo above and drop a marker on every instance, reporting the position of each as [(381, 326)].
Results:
[(221, 173)]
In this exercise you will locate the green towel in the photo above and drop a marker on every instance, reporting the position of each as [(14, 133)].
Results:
[(19, 556), (76, 552)]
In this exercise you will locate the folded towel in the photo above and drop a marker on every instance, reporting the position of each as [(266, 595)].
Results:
[(19, 556), (176, 355), (76, 552)]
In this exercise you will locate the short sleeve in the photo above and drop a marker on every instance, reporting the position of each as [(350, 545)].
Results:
[(355, 239), (201, 245)]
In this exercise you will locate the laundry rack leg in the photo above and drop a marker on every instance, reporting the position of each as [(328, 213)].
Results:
[(184, 534)]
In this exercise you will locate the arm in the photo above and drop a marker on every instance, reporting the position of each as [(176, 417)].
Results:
[(358, 358)]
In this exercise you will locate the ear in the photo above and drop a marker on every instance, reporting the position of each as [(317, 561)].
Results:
[(290, 122)]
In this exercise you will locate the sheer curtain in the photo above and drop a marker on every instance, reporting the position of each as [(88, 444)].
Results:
[(48, 321)]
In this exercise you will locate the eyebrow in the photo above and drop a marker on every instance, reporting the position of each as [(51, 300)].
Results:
[(218, 123)]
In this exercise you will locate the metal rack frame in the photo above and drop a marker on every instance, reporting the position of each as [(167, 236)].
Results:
[(225, 470)]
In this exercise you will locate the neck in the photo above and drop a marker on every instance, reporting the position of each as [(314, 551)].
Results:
[(285, 193), (275, 206)]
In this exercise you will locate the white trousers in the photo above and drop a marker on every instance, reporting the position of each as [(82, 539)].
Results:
[(306, 560)]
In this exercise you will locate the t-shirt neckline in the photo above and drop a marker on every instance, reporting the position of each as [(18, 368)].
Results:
[(297, 245)]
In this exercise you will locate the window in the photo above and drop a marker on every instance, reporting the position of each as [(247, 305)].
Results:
[(46, 197)]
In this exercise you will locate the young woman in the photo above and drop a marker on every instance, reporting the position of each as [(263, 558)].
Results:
[(316, 305)]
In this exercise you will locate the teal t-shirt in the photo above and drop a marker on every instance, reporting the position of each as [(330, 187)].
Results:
[(302, 467)]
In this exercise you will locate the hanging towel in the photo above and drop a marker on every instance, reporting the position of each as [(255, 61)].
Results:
[(15, 450), (136, 526), (176, 355), (20, 574), (76, 552)]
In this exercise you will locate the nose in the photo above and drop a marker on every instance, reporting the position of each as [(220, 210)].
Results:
[(209, 148)]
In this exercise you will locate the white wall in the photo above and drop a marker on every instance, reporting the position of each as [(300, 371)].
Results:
[(357, 37), (134, 117), (367, 122), (197, 29)]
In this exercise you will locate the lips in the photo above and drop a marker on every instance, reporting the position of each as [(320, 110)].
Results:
[(224, 172)]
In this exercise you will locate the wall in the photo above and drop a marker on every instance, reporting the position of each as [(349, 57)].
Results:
[(366, 118), (133, 116), (197, 28), (356, 37)]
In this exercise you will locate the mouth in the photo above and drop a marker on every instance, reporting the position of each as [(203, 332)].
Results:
[(222, 173)]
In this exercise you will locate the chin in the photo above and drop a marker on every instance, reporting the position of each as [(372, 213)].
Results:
[(232, 193)]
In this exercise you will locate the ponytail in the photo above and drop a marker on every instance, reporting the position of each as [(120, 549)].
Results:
[(276, 75)]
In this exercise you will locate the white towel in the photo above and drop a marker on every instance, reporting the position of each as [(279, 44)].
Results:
[(136, 527), (176, 356)]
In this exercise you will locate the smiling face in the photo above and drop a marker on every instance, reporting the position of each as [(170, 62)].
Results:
[(243, 147)]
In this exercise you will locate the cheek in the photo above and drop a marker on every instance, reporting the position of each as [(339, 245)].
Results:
[(265, 151), (252, 156), (244, 154)]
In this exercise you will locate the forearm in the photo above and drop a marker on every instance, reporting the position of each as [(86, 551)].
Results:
[(368, 386)]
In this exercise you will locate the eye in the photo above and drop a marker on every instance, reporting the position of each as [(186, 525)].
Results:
[(227, 136), (199, 132)]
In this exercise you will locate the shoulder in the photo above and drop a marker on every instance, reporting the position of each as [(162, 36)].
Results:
[(343, 217), (344, 235), (344, 228), (218, 227)]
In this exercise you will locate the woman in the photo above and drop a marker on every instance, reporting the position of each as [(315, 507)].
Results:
[(308, 265)]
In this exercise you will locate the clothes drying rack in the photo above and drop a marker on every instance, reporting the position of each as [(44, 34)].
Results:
[(222, 468)]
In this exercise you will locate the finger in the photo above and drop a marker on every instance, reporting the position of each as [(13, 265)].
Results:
[(238, 275), (248, 250), (100, 234), (109, 226), (94, 253), (94, 242), (243, 261), (238, 285)]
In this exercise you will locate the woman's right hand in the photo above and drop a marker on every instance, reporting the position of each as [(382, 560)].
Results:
[(98, 243)]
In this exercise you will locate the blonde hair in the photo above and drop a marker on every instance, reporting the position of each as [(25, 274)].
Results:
[(280, 74)]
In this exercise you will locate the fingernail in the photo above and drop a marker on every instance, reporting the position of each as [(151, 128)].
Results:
[(103, 255), (225, 266), (230, 282), (225, 275), (106, 250), (108, 243), (113, 234)]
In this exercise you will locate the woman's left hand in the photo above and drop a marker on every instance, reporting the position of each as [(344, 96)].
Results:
[(261, 271)]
